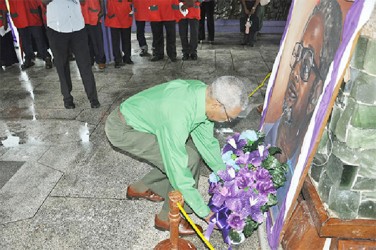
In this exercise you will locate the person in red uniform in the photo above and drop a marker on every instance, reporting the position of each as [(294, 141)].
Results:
[(141, 15), (163, 13), (8, 55), (26, 18), (191, 20), (119, 18), (93, 12)]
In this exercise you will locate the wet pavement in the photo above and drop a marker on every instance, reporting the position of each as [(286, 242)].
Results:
[(62, 186)]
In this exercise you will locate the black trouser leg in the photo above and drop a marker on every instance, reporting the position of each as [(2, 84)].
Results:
[(140, 25), (210, 20), (80, 49), (193, 26), (37, 33), (202, 21), (170, 38), (158, 40), (115, 38), (96, 42), (126, 43), (26, 42), (183, 33), (59, 44)]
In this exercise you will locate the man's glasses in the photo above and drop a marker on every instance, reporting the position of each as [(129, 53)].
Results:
[(224, 108), (307, 58)]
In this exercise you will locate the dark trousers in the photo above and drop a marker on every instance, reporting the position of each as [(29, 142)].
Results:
[(8, 54), (207, 10), (140, 27), (26, 35), (158, 38), (96, 43), (121, 36), (254, 18), (191, 46), (77, 42)]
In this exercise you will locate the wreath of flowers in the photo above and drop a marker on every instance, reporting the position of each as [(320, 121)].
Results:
[(243, 192)]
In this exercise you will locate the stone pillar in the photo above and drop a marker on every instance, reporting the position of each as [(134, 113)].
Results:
[(344, 167)]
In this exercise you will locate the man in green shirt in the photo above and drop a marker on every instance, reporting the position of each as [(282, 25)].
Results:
[(171, 126)]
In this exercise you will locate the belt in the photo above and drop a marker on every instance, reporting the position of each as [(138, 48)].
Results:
[(121, 116)]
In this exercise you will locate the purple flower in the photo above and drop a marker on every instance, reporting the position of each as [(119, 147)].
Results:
[(245, 178), (234, 144), (236, 221), (264, 182), (256, 201), (228, 174)]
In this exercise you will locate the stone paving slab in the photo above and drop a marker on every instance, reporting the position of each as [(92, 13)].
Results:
[(70, 192)]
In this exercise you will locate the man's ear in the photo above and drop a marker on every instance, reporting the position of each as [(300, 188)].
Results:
[(316, 92)]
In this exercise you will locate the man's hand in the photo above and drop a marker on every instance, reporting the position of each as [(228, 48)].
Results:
[(247, 11), (207, 218)]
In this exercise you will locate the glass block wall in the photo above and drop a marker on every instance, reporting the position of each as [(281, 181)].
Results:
[(344, 168)]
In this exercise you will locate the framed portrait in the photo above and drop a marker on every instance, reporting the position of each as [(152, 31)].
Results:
[(315, 51)]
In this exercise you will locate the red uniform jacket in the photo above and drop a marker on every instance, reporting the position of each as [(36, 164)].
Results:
[(193, 12), (90, 10), (3, 10), (141, 10), (163, 10), (25, 13), (119, 14)]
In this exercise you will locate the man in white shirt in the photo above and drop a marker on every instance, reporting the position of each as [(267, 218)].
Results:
[(65, 30)]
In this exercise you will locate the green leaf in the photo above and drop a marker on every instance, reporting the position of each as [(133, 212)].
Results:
[(274, 150), (234, 236)]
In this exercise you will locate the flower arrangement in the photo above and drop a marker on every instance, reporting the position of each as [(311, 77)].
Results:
[(243, 192)]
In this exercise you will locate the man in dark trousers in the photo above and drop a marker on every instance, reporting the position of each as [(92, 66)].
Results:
[(163, 14), (66, 31)]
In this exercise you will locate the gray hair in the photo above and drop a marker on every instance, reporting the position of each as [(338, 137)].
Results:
[(229, 91)]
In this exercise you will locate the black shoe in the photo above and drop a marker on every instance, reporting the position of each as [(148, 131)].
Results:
[(194, 57), (48, 63), (119, 64), (144, 52), (173, 59), (128, 61), (27, 64), (95, 104), (185, 57), (69, 105), (156, 58)]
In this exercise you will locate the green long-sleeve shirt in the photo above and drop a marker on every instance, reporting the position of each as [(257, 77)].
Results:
[(172, 111)]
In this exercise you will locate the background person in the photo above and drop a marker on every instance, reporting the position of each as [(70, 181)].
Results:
[(141, 14), (119, 18), (66, 32), (190, 21), (92, 10), (207, 13)]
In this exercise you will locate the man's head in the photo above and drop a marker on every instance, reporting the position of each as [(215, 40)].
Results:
[(310, 62), (226, 97)]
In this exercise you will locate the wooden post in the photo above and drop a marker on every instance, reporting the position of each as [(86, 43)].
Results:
[(175, 243)]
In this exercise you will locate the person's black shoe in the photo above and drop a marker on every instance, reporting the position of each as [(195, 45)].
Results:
[(144, 52), (173, 59), (128, 61), (69, 105), (27, 64), (95, 104), (48, 62), (185, 57), (194, 57), (156, 58), (119, 64)]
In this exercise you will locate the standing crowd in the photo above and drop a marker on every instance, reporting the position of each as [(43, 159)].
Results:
[(74, 27)]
